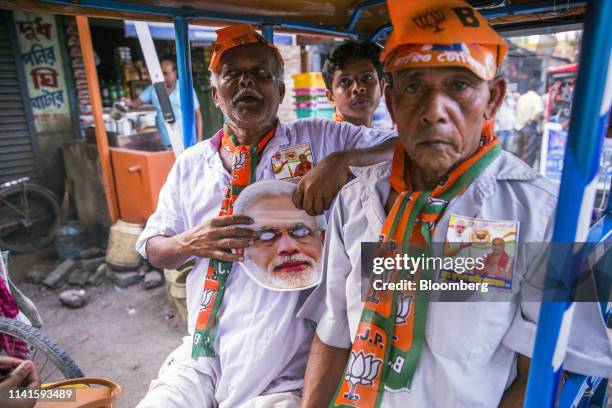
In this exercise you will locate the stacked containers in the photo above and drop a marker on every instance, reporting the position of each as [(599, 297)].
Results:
[(310, 99)]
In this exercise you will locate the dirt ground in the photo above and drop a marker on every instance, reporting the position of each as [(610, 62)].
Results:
[(120, 334)]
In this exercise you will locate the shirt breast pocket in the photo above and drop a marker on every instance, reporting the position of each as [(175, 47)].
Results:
[(468, 331)]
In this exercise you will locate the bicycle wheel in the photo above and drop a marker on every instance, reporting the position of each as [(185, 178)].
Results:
[(29, 216), (52, 362)]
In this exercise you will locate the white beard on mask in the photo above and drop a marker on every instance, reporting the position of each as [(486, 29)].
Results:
[(284, 281)]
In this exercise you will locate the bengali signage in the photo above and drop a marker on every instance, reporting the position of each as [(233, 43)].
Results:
[(44, 71)]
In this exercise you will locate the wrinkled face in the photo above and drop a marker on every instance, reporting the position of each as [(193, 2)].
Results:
[(356, 90), (247, 87), (169, 70), (287, 250), (439, 113)]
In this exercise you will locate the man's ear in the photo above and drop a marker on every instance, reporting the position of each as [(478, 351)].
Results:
[(215, 95), (388, 91), (281, 90), (330, 97), (497, 93)]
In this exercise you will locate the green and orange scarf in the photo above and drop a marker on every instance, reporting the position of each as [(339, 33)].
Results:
[(244, 166), (391, 331)]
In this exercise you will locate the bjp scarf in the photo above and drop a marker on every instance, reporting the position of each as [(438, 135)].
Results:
[(244, 165), (390, 335)]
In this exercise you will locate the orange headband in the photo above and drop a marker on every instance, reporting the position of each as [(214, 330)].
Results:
[(441, 33), (235, 36)]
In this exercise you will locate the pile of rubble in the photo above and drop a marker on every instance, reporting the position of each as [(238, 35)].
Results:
[(89, 270)]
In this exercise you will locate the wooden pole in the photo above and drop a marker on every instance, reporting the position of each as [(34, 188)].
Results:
[(96, 106), (303, 59)]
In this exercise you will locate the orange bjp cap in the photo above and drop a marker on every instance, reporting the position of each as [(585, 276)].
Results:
[(235, 36), (441, 33)]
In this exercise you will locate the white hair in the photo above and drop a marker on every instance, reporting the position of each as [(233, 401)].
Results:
[(265, 189)]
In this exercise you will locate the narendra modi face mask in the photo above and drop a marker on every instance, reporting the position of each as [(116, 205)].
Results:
[(286, 252)]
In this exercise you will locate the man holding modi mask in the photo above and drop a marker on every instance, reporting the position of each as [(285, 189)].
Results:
[(406, 351), (233, 356)]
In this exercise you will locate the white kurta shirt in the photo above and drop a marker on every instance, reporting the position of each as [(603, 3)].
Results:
[(470, 349), (261, 346)]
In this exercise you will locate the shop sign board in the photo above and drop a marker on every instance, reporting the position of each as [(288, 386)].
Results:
[(554, 142), (41, 56)]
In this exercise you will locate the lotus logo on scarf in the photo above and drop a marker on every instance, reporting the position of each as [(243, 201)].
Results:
[(437, 202), (403, 309), (362, 369), (372, 298), (239, 160), (206, 298)]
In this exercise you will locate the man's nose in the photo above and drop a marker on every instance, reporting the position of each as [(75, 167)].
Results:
[(287, 245), (246, 79), (358, 88), (434, 105)]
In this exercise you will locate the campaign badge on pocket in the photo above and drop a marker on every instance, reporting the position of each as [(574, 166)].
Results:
[(486, 248), (293, 162)]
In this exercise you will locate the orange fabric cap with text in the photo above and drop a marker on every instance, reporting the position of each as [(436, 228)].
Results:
[(437, 33), (235, 36)]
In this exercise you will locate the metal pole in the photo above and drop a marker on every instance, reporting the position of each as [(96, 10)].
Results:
[(147, 11), (350, 27), (267, 30), (609, 210), (183, 58), (576, 198)]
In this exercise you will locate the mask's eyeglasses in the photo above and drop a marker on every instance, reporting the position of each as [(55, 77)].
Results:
[(270, 234)]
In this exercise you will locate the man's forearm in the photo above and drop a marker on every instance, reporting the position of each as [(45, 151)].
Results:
[(135, 103), (514, 396), (166, 252), (323, 373), (199, 125), (371, 155)]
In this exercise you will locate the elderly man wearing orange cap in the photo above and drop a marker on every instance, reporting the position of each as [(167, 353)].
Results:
[(396, 348), (246, 343)]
